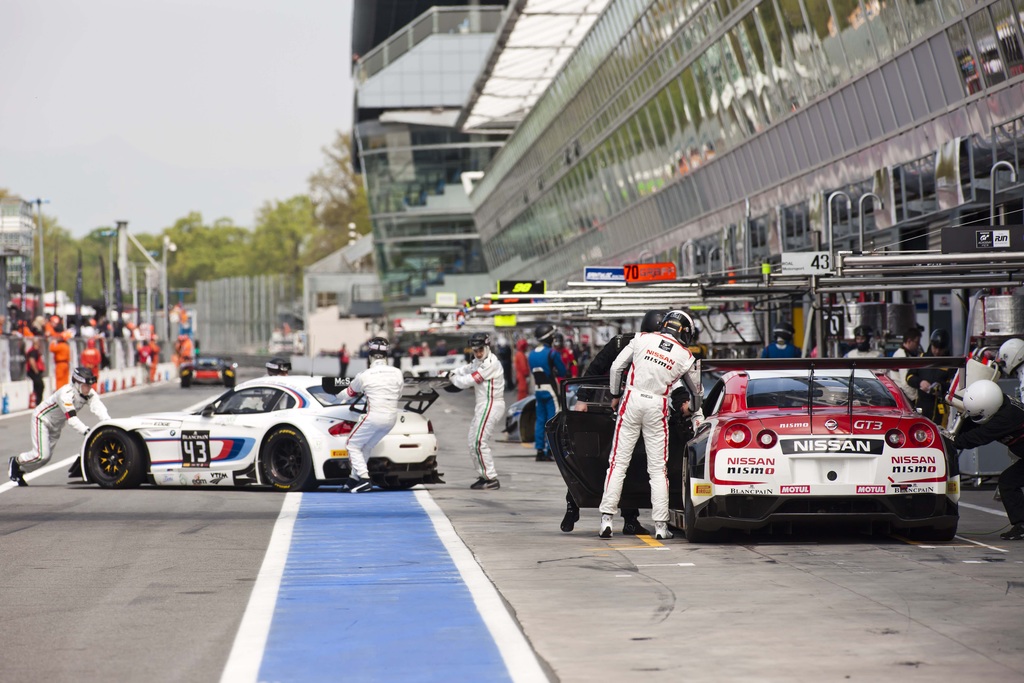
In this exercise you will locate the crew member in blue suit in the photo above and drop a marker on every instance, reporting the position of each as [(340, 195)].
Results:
[(782, 346), (547, 368)]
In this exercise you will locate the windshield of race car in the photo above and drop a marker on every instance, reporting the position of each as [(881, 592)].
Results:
[(825, 391)]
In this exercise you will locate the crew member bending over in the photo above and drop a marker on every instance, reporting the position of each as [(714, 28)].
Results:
[(382, 383), (659, 360)]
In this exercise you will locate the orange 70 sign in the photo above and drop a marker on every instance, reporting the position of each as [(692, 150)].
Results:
[(649, 272)]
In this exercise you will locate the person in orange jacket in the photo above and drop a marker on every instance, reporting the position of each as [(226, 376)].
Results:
[(61, 351), (522, 368), (154, 357), (90, 358)]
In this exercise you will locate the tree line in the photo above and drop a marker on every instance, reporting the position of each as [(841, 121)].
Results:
[(288, 235)]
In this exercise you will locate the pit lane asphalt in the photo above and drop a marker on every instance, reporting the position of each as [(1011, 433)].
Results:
[(151, 584)]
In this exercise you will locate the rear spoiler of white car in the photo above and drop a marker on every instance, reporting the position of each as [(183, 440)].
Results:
[(415, 402)]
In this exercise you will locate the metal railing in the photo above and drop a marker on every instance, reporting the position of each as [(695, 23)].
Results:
[(436, 20)]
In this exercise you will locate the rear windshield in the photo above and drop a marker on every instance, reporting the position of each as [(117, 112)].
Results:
[(326, 399), (792, 392)]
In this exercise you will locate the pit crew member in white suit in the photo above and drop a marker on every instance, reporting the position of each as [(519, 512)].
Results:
[(487, 378), (59, 409), (1011, 362), (659, 360), (382, 384)]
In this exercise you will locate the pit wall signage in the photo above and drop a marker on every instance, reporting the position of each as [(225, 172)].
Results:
[(974, 239)]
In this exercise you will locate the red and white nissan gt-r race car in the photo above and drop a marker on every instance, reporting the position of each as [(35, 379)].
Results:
[(818, 441)]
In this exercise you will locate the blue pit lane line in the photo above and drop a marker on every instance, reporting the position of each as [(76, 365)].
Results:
[(375, 587)]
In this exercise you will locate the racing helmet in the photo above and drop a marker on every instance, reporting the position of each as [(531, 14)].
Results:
[(783, 331), (864, 331), (679, 325), (940, 338), (81, 377), (479, 340), (652, 321), (982, 399), (544, 332), (1011, 355), (278, 366), (379, 347)]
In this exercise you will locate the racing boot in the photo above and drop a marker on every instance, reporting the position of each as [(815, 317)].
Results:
[(15, 472), (572, 515), (486, 484), (541, 455), (1016, 533), (606, 526), (359, 485), (661, 531), (631, 526)]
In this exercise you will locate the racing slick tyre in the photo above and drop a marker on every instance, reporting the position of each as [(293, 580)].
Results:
[(229, 382), (693, 534), (285, 461), (114, 460), (186, 381), (528, 424)]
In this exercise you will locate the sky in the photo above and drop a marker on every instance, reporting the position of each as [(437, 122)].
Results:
[(146, 110)]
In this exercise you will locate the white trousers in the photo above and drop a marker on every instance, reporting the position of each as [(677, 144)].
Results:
[(647, 414), (364, 437), (45, 435), (487, 414)]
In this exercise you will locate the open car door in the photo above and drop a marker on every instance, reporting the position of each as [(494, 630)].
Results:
[(581, 440)]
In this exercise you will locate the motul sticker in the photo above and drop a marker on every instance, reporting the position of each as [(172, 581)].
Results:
[(873, 489), (795, 489)]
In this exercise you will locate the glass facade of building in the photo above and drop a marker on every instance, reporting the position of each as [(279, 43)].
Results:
[(409, 90), (423, 226), (726, 123)]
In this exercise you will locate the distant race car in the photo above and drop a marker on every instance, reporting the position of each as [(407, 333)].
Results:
[(785, 442), (286, 432), (521, 419), (207, 370)]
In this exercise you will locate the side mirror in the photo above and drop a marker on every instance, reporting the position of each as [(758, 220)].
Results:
[(207, 411)]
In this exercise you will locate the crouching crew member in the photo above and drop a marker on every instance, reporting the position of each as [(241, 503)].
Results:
[(59, 409), (997, 417)]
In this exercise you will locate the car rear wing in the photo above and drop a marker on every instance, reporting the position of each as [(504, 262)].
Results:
[(851, 364), (417, 398)]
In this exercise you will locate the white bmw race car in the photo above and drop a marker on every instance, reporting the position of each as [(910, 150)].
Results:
[(289, 433)]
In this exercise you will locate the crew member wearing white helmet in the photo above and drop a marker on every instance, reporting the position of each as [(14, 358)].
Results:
[(997, 417), (382, 384), (656, 361), (487, 377), (59, 409), (1011, 362)]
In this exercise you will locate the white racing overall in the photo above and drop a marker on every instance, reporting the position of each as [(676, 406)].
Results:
[(487, 378), (60, 408), (658, 361), (382, 383)]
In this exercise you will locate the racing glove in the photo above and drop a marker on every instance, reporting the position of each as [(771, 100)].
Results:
[(697, 419)]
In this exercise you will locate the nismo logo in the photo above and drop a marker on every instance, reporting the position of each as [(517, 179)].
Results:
[(833, 445)]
